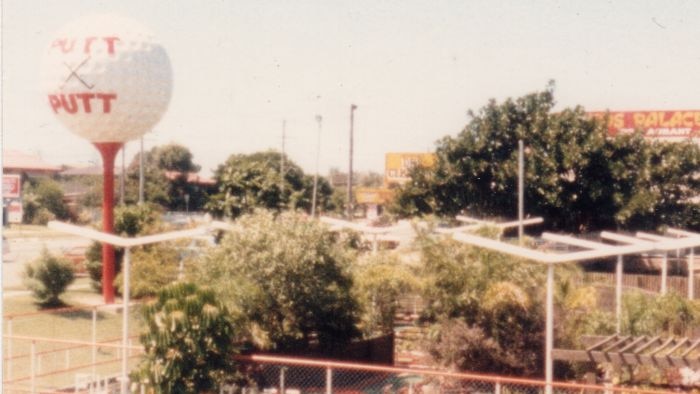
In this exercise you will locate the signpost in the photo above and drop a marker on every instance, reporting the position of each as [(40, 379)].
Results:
[(110, 82)]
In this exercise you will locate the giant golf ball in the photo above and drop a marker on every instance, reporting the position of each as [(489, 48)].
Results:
[(106, 78)]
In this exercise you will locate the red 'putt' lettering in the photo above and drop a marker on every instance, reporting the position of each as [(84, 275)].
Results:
[(66, 45), (88, 43), (106, 101), (86, 100), (62, 44), (81, 102), (73, 107), (110, 44), (55, 102)]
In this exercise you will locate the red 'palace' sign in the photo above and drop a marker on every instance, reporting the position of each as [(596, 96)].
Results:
[(654, 124)]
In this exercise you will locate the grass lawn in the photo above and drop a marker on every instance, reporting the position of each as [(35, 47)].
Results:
[(21, 319)]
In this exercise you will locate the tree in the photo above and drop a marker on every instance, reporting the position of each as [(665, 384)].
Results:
[(48, 277), (189, 341), (43, 201), (574, 176), (177, 161), (379, 282), (289, 278), (247, 182)]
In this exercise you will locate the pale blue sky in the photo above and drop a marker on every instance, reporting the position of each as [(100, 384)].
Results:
[(414, 68)]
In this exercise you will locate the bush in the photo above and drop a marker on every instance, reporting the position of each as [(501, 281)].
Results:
[(669, 314), (290, 278), (152, 268), (130, 220), (43, 201), (379, 282), (188, 341), (48, 277)]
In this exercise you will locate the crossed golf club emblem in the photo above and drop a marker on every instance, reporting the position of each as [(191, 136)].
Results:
[(74, 74)]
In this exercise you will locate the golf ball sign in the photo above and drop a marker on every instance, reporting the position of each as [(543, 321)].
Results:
[(106, 78)]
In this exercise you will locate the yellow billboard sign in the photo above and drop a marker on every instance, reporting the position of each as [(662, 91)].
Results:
[(399, 165)]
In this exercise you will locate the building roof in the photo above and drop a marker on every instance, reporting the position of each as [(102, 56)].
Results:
[(90, 170), (15, 161), (192, 177)]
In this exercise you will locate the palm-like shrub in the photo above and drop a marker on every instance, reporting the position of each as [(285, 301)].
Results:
[(188, 341)]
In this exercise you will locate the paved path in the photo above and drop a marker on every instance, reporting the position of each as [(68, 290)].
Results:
[(23, 250)]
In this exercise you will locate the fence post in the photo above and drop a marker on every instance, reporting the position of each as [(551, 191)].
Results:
[(9, 348), (497, 389), (32, 356), (329, 380), (619, 272), (282, 370), (94, 340), (691, 274), (664, 273)]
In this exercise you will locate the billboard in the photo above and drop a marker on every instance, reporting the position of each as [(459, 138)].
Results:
[(11, 186), (398, 165), (653, 124)]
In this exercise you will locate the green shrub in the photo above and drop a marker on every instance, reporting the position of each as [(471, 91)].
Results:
[(152, 268), (130, 221), (380, 280), (188, 341), (48, 277), (289, 276)]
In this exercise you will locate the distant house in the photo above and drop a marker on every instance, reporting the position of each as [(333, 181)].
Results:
[(192, 178), (26, 164), (17, 167)]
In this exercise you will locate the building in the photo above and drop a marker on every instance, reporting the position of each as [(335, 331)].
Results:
[(398, 166), (397, 169), (672, 126), (17, 167)]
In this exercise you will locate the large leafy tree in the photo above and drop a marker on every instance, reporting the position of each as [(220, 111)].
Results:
[(574, 176), (250, 181), (174, 193), (289, 277)]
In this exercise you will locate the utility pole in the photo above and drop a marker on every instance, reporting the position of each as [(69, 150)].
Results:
[(282, 169), (141, 173), (319, 119), (521, 190), (121, 178), (353, 107)]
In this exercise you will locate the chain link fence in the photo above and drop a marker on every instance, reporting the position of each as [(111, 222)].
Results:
[(275, 375)]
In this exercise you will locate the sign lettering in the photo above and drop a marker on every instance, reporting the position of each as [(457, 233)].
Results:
[(654, 124)]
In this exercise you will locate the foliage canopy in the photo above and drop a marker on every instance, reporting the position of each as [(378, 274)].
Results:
[(250, 181), (289, 277), (575, 177)]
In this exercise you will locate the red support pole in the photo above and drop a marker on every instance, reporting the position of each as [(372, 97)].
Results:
[(108, 150)]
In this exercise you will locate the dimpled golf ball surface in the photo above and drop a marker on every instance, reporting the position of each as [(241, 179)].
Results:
[(106, 78)]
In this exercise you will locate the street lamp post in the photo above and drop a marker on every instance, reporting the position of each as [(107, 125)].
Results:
[(353, 107), (319, 119)]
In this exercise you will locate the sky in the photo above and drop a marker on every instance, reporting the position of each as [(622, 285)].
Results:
[(413, 68)]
